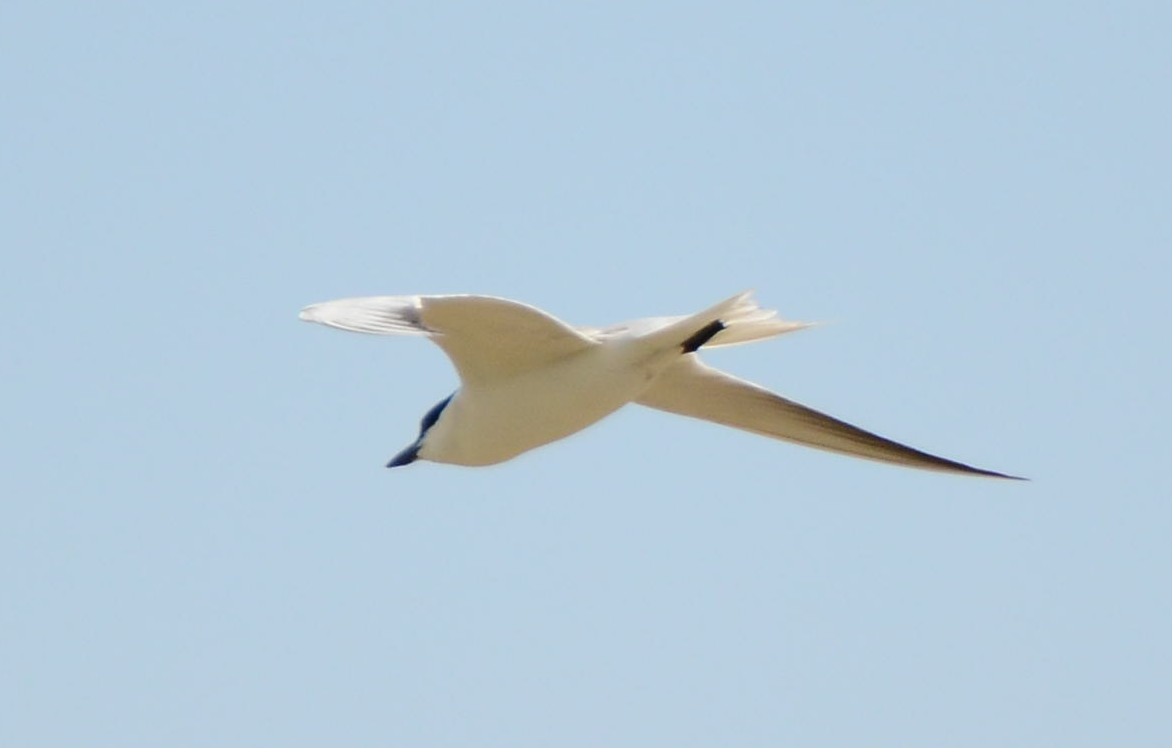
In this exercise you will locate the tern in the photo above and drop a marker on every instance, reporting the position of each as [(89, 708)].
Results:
[(528, 379)]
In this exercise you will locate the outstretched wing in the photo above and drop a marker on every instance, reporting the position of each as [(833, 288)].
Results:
[(693, 389), (487, 338)]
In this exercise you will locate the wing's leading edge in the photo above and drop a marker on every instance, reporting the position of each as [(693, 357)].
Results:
[(693, 389), (486, 337)]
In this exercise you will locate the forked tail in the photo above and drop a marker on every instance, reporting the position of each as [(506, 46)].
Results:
[(732, 321)]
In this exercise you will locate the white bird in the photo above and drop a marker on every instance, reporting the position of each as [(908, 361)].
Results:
[(528, 379)]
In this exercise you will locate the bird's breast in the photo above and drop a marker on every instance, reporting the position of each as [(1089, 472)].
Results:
[(490, 423)]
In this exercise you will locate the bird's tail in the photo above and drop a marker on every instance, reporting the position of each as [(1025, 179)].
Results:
[(732, 321)]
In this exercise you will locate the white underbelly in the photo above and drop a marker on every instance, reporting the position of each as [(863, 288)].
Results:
[(489, 424)]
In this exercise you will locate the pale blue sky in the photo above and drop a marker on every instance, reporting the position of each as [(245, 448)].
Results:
[(199, 544)]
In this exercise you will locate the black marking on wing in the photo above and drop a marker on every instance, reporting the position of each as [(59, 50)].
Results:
[(702, 336)]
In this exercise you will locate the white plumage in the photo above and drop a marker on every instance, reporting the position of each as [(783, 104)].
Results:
[(527, 378)]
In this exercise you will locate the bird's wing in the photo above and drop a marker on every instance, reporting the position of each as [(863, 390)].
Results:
[(691, 388), (486, 338)]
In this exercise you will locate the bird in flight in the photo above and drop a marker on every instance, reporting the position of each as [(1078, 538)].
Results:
[(528, 379)]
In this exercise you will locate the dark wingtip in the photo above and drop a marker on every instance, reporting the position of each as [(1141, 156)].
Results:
[(692, 344), (1012, 477), (988, 473)]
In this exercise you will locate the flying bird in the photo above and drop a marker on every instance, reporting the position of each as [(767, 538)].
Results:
[(528, 379)]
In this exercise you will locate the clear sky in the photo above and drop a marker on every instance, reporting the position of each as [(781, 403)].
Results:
[(199, 545)]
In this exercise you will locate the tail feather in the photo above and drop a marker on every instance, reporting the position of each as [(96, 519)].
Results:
[(743, 322)]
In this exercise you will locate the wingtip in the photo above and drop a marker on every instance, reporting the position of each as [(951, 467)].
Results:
[(798, 325), (981, 473)]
